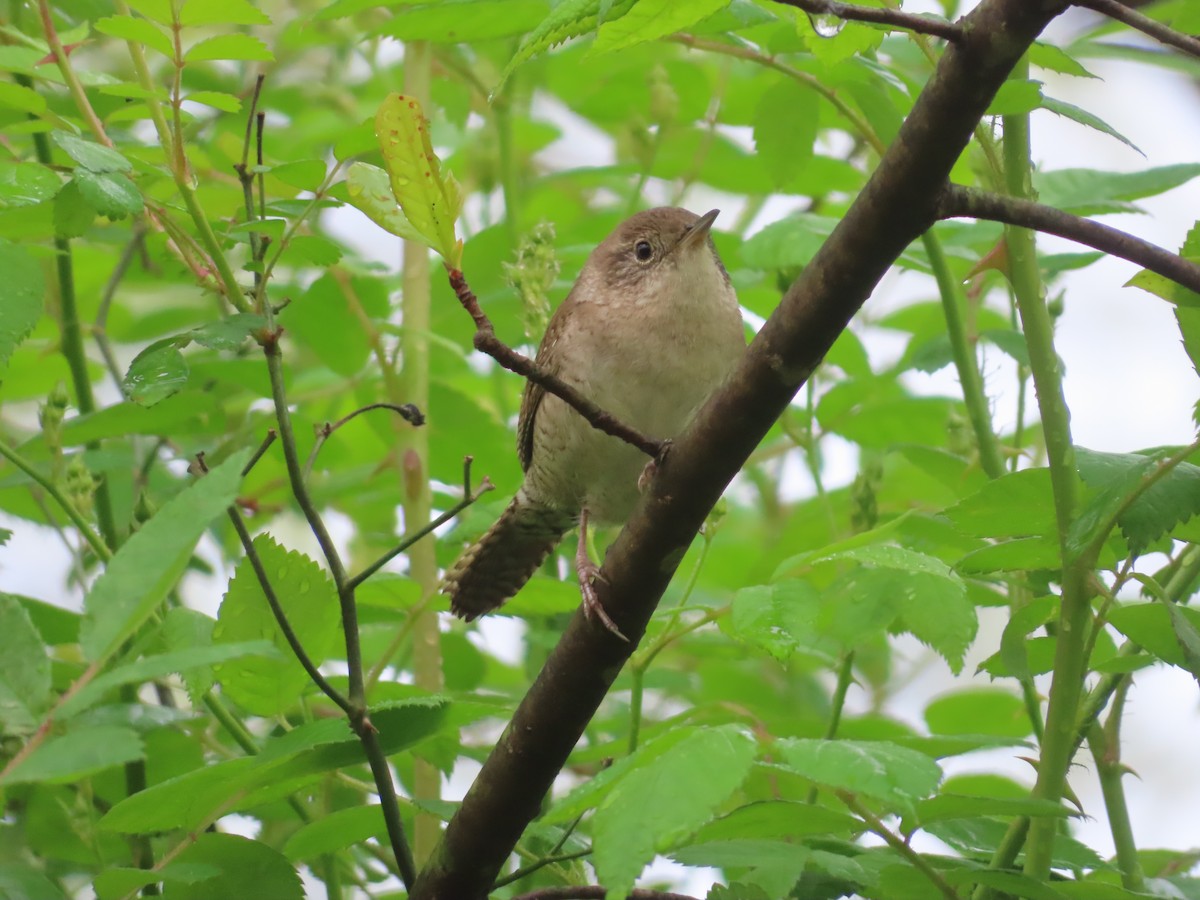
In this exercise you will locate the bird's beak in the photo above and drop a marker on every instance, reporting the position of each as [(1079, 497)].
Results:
[(699, 230)]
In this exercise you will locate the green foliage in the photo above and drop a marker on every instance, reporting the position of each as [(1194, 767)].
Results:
[(172, 295)]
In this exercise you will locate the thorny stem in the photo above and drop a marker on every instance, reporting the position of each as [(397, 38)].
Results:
[(487, 342)]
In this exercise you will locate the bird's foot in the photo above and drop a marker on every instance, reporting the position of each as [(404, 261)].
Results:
[(589, 574), (651, 468)]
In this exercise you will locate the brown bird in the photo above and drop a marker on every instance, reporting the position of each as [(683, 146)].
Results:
[(651, 328)]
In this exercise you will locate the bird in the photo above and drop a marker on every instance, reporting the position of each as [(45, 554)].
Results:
[(650, 329)]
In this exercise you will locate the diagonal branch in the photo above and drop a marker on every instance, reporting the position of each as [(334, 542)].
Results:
[(487, 342), (956, 201), (903, 21), (897, 205), (1164, 34)]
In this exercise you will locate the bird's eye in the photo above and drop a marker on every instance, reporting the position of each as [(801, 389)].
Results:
[(643, 250)]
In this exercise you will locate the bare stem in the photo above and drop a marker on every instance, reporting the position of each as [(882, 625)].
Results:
[(1114, 9), (880, 16)]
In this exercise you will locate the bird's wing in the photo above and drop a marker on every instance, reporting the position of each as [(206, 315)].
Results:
[(548, 359)]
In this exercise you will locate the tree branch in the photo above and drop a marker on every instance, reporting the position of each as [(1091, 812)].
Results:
[(957, 201), (487, 342), (896, 206), (1164, 34), (902, 21)]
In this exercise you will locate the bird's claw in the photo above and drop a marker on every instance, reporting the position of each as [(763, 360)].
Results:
[(589, 573)]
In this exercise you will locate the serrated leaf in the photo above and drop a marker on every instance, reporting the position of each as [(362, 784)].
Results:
[(656, 804), (183, 629), (1085, 118), (156, 373), (1172, 499), (222, 12), (780, 618), (775, 866), (649, 20), (240, 862), (884, 771), (1090, 191), (785, 128), (370, 193), (1188, 636), (21, 292), (25, 674), (141, 31), (26, 183), (170, 663), (313, 250), (89, 155), (566, 20), (266, 686), (416, 177), (1020, 504), (148, 564), (1055, 59), (1186, 301), (1013, 642), (78, 754), (158, 10), (109, 193), (306, 174), (229, 46), (1150, 625)]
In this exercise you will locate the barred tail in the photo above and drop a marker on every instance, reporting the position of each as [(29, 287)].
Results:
[(497, 565)]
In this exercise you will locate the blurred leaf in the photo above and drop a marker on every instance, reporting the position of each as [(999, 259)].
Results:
[(893, 775), (229, 46), (566, 20), (271, 685), (25, 675), (24, 184), (141, 31), (785, 128), (240, 862), (78, 754), (982, 710), (147, 565), (20, 297), (652, 19), (336, 831), (222, 12)]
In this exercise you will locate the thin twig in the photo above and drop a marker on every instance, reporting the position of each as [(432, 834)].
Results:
[(1139, 22), (100, 328), (281, 619), (467, 499), (487, 342), (258, 454), (407, 411), (879, 16), (957, 202), (896, 843), (518, 874)]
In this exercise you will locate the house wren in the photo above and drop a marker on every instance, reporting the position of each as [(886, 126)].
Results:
[(651, 328)]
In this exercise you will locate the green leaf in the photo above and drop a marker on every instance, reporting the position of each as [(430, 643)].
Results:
[(25, 675), (217, 100), (172, 662), (980, 710), (241, 862), (222, 12), (780, 618), (336, 831), (73, 215), (430, 201), (141, 31), (306, 174), (460, 21), (775, 866), (158, 10), (147, 565), (649, 20), (26, 183), (156, 373), (1020, 504), (783, 819), (1188, 635), (313, 250), (1091, 192), (229, 333), (893, 775), (110, 193), (785, 128), (20, 297), (91, 156), (656, 804), (78, 754), (268, 686), (229, 46), (566, 20), (1016, 98), (370, 193), (21, 98), (1151, 625), (1055, 59), (1172, 499), (1083, 117)]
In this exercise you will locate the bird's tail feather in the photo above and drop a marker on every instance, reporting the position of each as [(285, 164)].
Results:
[(496, 566)]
